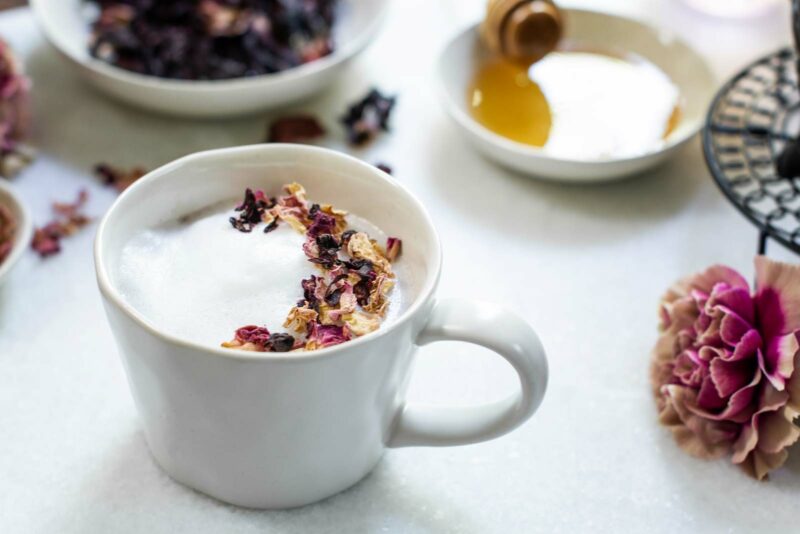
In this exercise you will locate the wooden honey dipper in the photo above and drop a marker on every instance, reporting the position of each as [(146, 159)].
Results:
[(522, 30)]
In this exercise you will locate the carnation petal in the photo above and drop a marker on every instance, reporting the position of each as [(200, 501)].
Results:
[(778, 296), (737, 408), (731, 376), (777, 431), (706, 280), (699, 437), (793, 387), (758, 464), (777, 360), (733, 328), (734, 299), (747, 346)]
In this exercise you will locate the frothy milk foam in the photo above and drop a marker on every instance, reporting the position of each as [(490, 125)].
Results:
[(201, 280)]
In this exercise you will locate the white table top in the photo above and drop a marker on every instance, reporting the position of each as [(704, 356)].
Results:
[(585, 265)]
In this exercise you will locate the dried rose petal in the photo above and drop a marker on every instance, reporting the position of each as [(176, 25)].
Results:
[(257, 335), (367, 117), (69, 219), (322, 336), (394, 247), (118, 178), (294, 129)]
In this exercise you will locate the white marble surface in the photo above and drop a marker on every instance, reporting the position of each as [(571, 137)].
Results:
[(585, 265)]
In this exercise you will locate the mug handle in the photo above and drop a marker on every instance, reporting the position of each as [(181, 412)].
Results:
[(499, 330)]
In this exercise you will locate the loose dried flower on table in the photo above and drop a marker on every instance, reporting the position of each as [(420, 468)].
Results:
[(69, 218), (368, 117)]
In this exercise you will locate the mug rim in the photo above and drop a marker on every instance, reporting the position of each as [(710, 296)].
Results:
[(110, 292)]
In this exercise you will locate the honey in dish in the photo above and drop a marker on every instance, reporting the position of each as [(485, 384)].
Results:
[(577, 104)]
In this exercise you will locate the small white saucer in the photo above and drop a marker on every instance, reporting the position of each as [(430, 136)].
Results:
[(686, 68), (66, 26), (22, 239)]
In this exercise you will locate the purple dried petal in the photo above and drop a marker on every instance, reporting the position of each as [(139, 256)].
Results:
[(328, 335), (367, 117)]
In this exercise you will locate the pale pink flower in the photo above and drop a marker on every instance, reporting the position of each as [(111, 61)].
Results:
[(723, 369)]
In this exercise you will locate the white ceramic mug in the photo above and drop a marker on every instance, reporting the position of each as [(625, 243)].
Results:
[(268, 430)]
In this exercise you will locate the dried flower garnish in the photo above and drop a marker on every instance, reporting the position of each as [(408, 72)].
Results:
[(14, 114), (259, 339), (252, 211), (725, 369), (119, 179), (368, 117), (350, 296), (294, 129), (8, 228), (394, 247), (384, 167), (69, 219), (212, 39)]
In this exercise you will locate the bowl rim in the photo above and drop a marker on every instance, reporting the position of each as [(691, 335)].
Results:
[(338, 56), (674, 140), (24, 229), (110, 292)]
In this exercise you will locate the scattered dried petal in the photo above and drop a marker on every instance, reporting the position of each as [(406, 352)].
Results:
[(367, 117), (294, 129), (117, 178), (69, 219), (394, 247), (384, 167)]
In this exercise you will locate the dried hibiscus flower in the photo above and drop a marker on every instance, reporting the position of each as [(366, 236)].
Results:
[(8, 228), (350, 296), (368, 117), (294, 129), (69, 219), (119, 179), (212, 39), (384, 167)]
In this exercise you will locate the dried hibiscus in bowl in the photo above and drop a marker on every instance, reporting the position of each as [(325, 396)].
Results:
[(350, 296), (212, 39)]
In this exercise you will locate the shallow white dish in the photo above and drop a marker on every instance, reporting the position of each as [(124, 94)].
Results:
[(687, 69), (22, 239), (66, 26)]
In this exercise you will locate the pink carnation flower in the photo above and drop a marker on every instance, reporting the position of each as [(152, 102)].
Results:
[(723, 370)]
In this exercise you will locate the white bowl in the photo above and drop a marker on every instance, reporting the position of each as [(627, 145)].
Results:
[(22, 239), (66, 26), (686, 68)]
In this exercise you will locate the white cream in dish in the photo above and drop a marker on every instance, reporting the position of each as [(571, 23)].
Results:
[(602, 106), (200, 280)]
